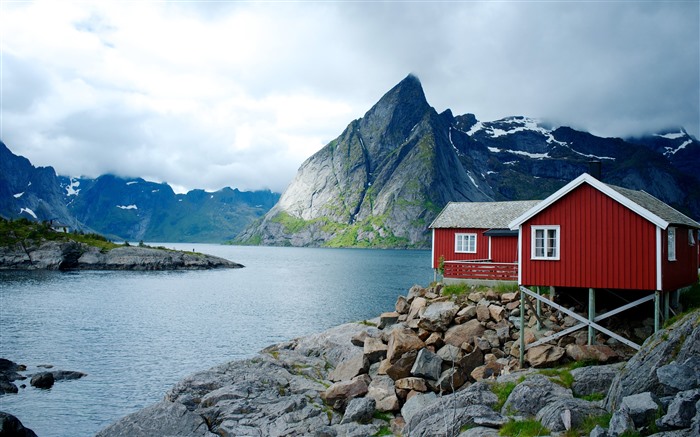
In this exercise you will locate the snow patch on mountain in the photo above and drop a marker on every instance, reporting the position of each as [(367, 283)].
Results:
[(71, 188), (132, 182), (29, 211), (127, 207), (519, 152), (672, 151), (18, 195), (672, 136)]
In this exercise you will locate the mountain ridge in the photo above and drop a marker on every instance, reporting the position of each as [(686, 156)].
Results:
[(388, 174)]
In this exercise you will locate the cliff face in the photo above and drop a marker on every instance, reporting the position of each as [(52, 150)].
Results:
[(385, 178)]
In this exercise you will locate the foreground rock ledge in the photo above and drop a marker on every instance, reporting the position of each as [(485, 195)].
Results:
[(359, 380), (72, 255)]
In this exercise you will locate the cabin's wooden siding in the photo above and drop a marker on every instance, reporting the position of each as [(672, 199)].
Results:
[(603, 244), (683, 271)]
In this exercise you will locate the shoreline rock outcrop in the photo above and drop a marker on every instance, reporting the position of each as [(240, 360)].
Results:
[(73, 255), (446, 371)]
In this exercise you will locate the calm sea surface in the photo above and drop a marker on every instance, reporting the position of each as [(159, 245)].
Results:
[(137, 333)]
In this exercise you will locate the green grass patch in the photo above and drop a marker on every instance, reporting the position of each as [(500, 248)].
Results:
[(27, 233), (290, 223), (454, 290), (383, 430), (505, 287), (689, 300), (523, 428), (502, 390), (593, 397), (588, 424), (383, 416), (561, 376)]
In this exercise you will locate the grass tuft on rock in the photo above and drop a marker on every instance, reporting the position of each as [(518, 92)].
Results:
[(523, 428)]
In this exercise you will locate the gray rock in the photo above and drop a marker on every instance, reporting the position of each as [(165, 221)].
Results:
[(551, 415), (339, 394), (42, 380), (593, 379), (427, 365), (60, 375), (447, 420), (11, 426), (533, 394), (359, 410), (479, 431), (598, 431), (450, 353), (681, 377), (438, 316), (350, 430), (450, 380), (374, 349), (620, 422), (464, 333), (642, 407), (681, 410), (164, 418), (679, 342), (350, 367), (383, 391), (402, 367), (417, 404), (695, 424)]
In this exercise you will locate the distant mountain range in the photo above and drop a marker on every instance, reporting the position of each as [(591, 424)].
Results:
[(125, 209), (385, 178)]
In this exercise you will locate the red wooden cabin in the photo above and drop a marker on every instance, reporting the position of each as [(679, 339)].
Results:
[(593, 235), (471, 241)]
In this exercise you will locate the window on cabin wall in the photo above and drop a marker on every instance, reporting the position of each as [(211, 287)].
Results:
[(465, 243), (691, 237), (671, 239), (545, 242)]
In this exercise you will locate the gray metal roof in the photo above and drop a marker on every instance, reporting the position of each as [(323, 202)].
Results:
[(656, 207), (482, 215)]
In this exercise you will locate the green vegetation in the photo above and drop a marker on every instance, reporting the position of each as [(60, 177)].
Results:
[(502, 390), (506, 287), (523, 428), (291, 224), (27, 233), (690, 301), (383, 430), (588, 424), (454, 290), (561, 376), (593, 397)]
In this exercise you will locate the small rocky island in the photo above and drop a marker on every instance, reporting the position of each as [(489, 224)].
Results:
[(441, 365), (26, 245)]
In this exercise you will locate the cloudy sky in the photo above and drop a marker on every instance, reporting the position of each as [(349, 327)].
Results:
[(213, 94)]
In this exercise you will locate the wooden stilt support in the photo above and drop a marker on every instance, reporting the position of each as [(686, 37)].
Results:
[(667, 304), (591, 315), (522, 329), (539, 310), (657, 310)]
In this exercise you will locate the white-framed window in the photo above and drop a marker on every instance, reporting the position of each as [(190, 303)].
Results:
[(691, 237), (545, 242), (671, 243), (465, 243)]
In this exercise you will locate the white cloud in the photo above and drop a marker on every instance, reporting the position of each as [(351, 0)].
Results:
[(206, 95)]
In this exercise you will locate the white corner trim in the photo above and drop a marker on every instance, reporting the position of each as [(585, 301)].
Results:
[(659, 257), (520, 256), (432, 251)]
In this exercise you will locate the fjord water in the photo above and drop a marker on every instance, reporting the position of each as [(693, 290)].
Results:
[(136, 334)]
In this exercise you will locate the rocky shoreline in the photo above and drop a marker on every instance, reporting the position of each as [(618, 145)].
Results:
[(439, 366), (73, 255)]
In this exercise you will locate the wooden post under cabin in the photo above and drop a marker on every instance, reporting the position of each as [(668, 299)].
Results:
[(591, 315), (522, 329), (657, 310)]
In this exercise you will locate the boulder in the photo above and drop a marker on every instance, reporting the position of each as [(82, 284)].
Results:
[(359, 410), (681, 410), (402, 340), (42, 380), (450, 353), (417, 307), (593, 379), (551, 415), (471, 361), (417, 404), (596, 352), (544, 355), (459, 334), (451, 380), (402, 306), (682, 377), (642, 408), (621, 422), (350, 367), (163, 418), (438, 316), (488, 371), (427, 365), (339, 394), (374, 350), (509, 297), (59, 375), (676, 343), (412, 383), (383, 391), (447, 420), (533, 394), (388, 319), (482, 311), (402, 367), (497, 312)]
